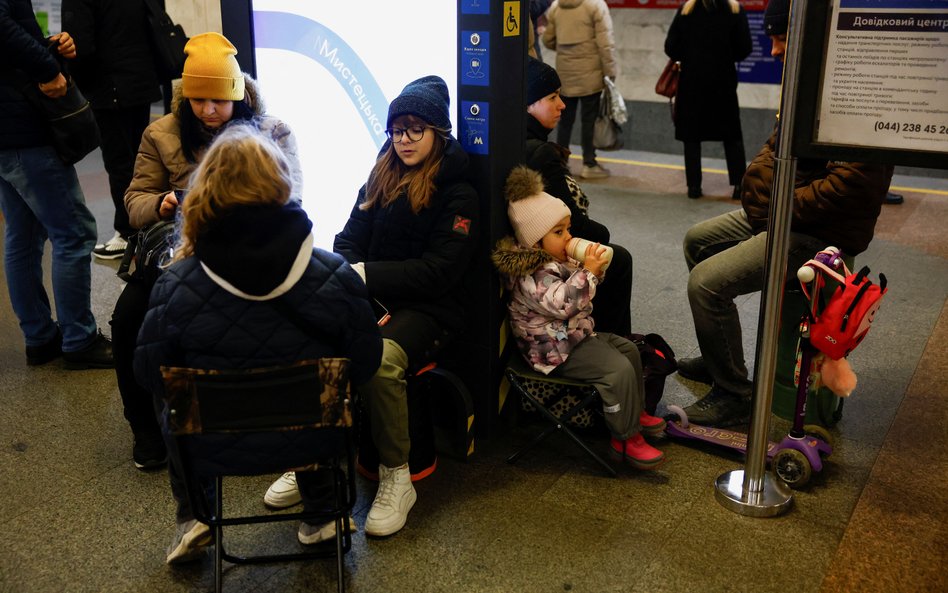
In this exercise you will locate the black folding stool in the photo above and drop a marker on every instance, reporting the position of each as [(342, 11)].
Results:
[(259, 421), (564, 401)]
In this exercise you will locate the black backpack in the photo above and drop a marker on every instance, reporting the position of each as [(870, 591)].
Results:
[(658, 361)]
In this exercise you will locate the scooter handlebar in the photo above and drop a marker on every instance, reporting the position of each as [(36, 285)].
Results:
[(830, 257)]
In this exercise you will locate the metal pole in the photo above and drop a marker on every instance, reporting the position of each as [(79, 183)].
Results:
[(752, 491)]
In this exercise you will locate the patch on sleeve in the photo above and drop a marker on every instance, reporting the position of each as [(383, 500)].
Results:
[(462, 226)]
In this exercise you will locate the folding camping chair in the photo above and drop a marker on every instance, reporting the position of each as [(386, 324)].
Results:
[(263, 421), (559, 401)]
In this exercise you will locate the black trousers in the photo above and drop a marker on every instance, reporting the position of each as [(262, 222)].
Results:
[(564, 129), (121, 131), (127, 319), (613, 300), (611, 306), (733, 155)]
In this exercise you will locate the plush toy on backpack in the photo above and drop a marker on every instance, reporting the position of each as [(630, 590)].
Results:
[(836, 375)]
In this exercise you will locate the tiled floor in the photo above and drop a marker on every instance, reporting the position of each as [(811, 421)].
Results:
[(79, 517)]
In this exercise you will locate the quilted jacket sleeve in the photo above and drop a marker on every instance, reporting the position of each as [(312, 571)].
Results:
[(362, 340), (836, 201), (605, 41)]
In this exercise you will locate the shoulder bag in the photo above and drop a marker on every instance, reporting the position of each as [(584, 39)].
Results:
[(74, 132), (667, 85), (168, 41)]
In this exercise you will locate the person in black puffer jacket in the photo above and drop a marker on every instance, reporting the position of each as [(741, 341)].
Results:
[(115, 69), (245, 279), (544, 108), (412, 236)]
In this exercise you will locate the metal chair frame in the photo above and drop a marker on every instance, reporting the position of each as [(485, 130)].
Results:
[(305, 407), (518, 370)]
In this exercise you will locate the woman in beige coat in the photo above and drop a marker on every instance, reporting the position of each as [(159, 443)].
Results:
[(580, 31)]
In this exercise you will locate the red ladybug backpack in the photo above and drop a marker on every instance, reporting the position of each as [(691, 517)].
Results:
[(848, 315)]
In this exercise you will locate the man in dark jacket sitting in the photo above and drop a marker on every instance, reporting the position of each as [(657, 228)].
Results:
[(115, 69), (834, 203)]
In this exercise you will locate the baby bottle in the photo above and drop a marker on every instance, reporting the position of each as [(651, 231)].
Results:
[(576, 249)]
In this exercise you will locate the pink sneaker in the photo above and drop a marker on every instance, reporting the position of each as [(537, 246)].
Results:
[(652, 426), (638, 453)]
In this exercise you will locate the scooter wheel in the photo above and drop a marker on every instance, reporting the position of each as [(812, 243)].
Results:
[(815, 430), (792, 467)]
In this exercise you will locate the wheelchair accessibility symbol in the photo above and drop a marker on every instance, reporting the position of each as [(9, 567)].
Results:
[(511, 19)]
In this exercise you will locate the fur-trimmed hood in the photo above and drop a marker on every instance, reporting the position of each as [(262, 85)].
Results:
[(513, 260)]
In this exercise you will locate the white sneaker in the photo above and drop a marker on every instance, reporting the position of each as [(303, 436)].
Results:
[(594, 172), (114, 248), (190, 540), (283, 493), (313, 534), (394, 499)]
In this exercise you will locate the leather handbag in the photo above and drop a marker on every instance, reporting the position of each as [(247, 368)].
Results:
[(168, 41), (667, 85), (74, 131)]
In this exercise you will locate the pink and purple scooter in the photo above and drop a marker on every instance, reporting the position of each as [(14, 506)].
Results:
[(801, 452)]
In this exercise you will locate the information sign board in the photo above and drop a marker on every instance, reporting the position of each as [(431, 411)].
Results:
[(881, 93)]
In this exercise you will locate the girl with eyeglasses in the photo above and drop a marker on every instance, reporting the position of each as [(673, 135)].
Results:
[(411, 236)]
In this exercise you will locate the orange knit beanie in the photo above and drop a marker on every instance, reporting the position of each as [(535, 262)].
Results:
[(211, 71)]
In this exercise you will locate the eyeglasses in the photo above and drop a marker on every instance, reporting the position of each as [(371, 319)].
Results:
[(414, 133)]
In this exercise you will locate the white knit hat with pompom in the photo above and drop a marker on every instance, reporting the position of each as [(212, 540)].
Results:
[(532, 211)]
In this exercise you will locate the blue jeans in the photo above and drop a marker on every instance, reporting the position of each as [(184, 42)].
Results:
[(41, 199), (726, 260)]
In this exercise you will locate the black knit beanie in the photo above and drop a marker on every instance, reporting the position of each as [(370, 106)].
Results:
[(426, 98), (542, 80), (777, 17)]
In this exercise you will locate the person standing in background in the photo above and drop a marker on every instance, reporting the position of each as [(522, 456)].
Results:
[(580, 31), (115, 69), (538, 8), (41, 199), (707, 37)]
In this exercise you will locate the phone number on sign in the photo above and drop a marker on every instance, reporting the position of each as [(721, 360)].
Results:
[(910, 127)]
